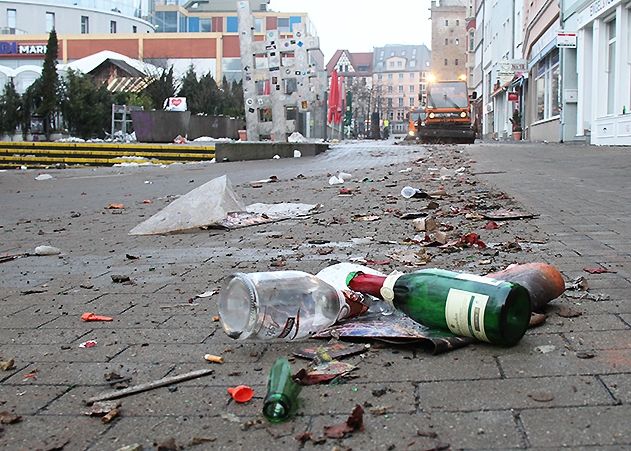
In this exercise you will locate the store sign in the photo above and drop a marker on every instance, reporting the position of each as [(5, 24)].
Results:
[(513, 97), (175, 104), (566, 40), (594, 10), (14, 48)]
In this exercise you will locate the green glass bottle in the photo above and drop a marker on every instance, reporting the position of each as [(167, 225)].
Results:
[(490, 310), (281, 399)]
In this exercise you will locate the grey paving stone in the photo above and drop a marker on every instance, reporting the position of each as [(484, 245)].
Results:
[(39, 336), (61, 353), (228, 435), (506, 394), (189, 353), (29, 400), (45, 432), (85, 373), (572, 427), (619, 385), (566, 363), (606, 339)]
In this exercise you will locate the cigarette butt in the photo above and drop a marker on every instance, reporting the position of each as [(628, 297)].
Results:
[(213, 358), (110, 416)]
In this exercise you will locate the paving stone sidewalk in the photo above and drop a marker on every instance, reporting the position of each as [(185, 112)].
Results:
[(567, 384)]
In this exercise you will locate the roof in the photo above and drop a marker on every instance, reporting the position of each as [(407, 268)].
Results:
[(128, 69), (89, 63), (420, 54), (356, 59)]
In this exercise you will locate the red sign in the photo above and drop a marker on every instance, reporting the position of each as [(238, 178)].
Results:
[(513, 97)]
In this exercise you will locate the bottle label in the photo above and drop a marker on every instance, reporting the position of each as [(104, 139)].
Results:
[(480, 279), (464, 312), (351, 304)]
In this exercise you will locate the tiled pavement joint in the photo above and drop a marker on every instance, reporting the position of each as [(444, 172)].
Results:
[(523, 434), (614, 398)]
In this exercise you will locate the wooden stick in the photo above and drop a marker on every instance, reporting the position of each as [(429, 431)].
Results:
[(149, 386)]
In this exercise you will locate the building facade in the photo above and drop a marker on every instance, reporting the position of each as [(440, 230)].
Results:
[(504, 67), (400, 75), (216, 52), (357, 71), (449, 39), (596, 91), (24, 17), (542, 98)]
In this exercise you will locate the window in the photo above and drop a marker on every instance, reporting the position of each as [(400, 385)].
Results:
[(379, 77), (112, 26), (446, 41), (456, 62), (457, 22), (446, 62), (399, 63), (232, 24), (390, 89), (446, 22), (283, 24), (50, 21), (205, 25), (611, 66), (389, 76), (423, 75), (412, 74), (457, 41), (389, 103), (413, 63), (411, 88), (400, 88), (471, 40), (391, 64), (258, 25), (134, 29), (11, 19), (293, 21), (547, 86), (401, 101), (166, 21), (85, 24), (400, 76)]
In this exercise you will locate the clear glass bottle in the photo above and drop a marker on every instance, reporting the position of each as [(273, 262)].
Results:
[(285, 305), (468, 305)]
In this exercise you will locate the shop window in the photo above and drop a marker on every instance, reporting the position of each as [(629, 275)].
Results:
[(547, 86)]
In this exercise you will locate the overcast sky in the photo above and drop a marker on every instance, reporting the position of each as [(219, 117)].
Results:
[(360, 25)]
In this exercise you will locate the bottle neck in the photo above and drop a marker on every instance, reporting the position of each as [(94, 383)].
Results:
[(367, 284)]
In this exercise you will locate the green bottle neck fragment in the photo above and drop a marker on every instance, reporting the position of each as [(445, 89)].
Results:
[(282, 392)]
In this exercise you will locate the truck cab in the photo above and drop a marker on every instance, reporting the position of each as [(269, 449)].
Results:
[(447, 114)]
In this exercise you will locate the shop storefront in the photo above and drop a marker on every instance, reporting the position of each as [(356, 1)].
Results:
[(542, 99), (604, 72)]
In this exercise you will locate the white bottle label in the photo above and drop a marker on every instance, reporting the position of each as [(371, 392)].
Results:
[(480, 279), (464, 312)]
